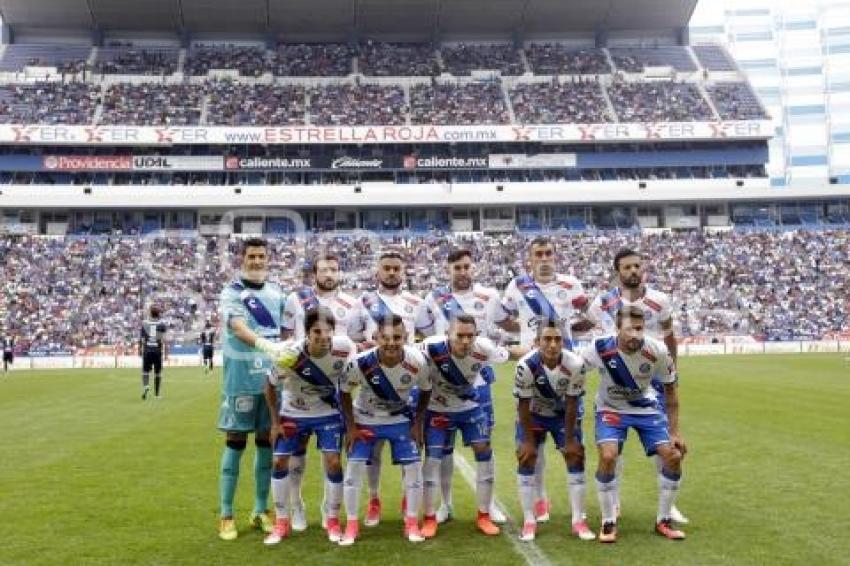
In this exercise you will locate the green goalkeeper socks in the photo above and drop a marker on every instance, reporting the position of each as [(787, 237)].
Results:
[(262, 478), (228, 478)]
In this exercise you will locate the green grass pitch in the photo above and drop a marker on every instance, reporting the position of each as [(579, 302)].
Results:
[(91, 474)]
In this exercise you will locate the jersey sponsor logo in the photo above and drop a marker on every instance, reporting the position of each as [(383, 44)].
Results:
[(412, 300), (244, 404), (482, 296), (479, 356), (565, 284), (345, 304)]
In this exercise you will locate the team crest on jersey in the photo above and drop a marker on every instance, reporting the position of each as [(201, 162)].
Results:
[(340, 313), (478, 306), (408, 309), (476, 368), (405, 378), (562, 294), (645, 368), (563, 382), (338, 365), (258, 362)]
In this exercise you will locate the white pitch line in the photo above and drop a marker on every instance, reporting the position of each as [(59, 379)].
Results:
[(528, 550)]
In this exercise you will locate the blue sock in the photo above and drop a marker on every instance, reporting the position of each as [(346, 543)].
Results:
[(262, 478), (228, 478)]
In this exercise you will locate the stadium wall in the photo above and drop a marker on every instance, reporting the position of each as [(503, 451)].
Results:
[(720, 349)]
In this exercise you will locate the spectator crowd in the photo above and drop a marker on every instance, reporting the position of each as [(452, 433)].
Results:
[(66, 293)]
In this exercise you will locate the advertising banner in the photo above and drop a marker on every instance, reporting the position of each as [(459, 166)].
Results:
[(308, 135)]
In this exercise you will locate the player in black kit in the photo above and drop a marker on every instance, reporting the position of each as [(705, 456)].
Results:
[(152, 349), (8, 352), (207, 340)]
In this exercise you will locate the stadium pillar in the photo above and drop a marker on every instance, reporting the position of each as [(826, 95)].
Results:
[(684, 36), (601, 38), (97, 37), (6, 35), (185, 39)]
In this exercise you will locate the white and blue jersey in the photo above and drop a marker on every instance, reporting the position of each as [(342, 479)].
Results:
[(261, 307), (383, 391), (625, 378), (531, 302), (309, 388), (346, 310), (375, 306), (547, 390)]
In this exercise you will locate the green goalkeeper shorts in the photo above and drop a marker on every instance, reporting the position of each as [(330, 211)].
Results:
[(244, 413)]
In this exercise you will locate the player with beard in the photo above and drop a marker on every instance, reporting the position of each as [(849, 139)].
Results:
[(632, 291), (628, 362), (375, 307), (442, 305), (531, 299), (345, 308)]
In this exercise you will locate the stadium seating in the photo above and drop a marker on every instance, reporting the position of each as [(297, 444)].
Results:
[(555, 103), (469, 104), (463, 58), (555, 59), (736, 101), (67, 59), (90, 287), (357, 105), (662, 101), (48, 103), (129, 60), (714, 58)]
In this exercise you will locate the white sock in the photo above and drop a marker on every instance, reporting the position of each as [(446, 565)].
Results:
[(447, 468), (618, 474), (373, 470), (668, 489), (413, 488), (296, 478), (605, 486), (431, 474), (353, 483), (484, 476), (577, 488), (527, 494), (280, 492), (333, 497), (539, 472)]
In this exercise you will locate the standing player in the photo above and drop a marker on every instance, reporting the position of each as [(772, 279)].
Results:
[(152, 348), (310, 376), (455, 364), (207, 340), (385, 375), (252, 309), (462, 296), (375, 306), (8, 351), (631, 291), (325, 293), (345, 308), (529, 301), (549, 384), (627, 363)]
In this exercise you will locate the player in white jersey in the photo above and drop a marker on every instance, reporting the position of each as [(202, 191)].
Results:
[(375, 307), (384, 376), (529, 300), (346, 311), (631, 291), (548, 385), (628, 362), (455, 364), (441, 305), (325, 293), (390, 298), (309, 376)]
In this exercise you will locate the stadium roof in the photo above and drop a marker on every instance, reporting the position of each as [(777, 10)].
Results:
[(323, 20)]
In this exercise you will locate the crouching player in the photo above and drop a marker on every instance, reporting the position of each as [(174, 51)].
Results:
[(549, 384), (309, 372), (627, 362), (455, 364), (385, 375)]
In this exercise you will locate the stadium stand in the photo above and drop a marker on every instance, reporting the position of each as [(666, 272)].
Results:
[(463, 58), (556, 59), (556, 102), (77, 292), (130, 60), (467, 104)]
